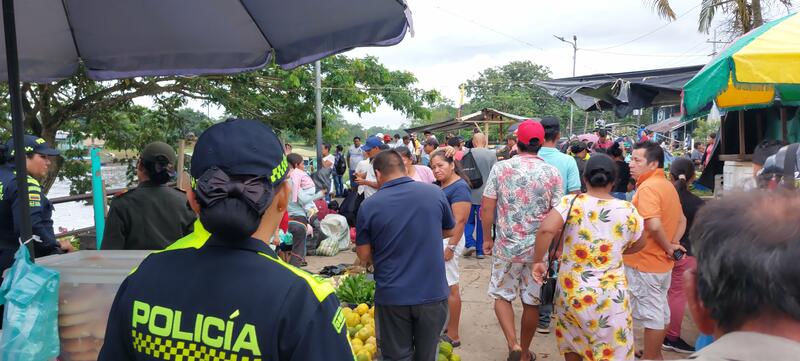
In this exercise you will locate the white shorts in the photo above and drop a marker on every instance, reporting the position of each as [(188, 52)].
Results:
[(451, 266), (512, 279), (648, 291)]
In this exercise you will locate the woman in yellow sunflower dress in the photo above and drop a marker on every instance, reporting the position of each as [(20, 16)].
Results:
[(592, 312)]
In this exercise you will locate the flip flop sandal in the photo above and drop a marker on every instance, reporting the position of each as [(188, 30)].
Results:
[(533, 355), (515, 355), (638, 354), (449, 340)]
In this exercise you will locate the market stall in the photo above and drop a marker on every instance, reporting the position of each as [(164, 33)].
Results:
[(756, 80)]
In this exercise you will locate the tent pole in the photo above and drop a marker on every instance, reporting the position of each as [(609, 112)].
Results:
[(17, 125), (318, 110), (741, 135)]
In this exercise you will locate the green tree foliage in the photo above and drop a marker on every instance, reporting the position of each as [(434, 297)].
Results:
[(704, 128), (284, 99), (509, 88), (740, 16)]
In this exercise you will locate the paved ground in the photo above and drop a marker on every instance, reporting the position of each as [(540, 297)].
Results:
[(481, 337)]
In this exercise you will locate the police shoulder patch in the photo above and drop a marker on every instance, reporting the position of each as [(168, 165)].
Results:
[(338, 320)]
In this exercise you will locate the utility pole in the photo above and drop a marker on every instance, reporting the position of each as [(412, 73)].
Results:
[(715, 42), (574, 44), (461, 88), (318, 108)]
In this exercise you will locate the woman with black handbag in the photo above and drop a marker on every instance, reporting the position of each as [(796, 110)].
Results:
[(592, 312)]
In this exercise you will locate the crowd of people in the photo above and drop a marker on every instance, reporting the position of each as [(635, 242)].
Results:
[(596, 240), (617, 222)]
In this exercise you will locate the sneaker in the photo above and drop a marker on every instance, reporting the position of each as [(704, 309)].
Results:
[(543, 330), (678, 345), (469, 251), (480, 256)]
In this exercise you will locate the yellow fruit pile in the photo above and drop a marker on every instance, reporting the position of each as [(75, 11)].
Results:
[(361, 331), (446, 352)]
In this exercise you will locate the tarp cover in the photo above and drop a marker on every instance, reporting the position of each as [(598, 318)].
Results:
[(122, 38), (487, 115), (622, 92)]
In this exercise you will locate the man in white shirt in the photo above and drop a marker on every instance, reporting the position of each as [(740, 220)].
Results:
[(354, 155), (365, 174)]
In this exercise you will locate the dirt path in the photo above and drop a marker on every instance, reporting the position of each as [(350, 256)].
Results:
[(481, 337)]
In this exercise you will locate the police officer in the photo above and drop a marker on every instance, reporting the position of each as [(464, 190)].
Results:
[(231, 298), (36, 152), (153, 215)]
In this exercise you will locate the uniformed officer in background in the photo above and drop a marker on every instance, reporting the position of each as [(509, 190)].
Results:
[(153, 215), (232, 298), (36, 151)]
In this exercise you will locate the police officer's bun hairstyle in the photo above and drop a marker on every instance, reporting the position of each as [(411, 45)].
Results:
[(600, 171), (159, 171), (232, 215), (238, 166)]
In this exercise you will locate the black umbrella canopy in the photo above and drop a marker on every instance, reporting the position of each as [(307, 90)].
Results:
[(125, 38), (49, 40)]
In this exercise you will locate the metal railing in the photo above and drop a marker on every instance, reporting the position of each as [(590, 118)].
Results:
[(84, 197)]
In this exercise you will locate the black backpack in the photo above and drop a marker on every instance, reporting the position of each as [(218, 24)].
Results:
[(470, 168), (340, 164)]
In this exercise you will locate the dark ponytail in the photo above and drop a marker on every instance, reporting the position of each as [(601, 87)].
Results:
[(231, 217), (224, 209), (599, 178), (681, 171), (159, 171), (600, 171), (615, 151)]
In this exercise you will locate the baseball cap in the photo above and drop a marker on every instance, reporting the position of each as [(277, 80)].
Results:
[(379, 135), (372, 142), (551, 123), (529, 130), (158, 150), (33, 144), (240, 147), (387, 138)]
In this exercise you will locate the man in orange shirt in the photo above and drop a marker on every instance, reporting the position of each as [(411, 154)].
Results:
[(649, 271)]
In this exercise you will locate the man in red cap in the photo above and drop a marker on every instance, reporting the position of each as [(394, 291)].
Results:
[(522, 190)]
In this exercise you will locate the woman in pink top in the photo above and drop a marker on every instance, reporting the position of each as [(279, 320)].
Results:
[(419, 173)]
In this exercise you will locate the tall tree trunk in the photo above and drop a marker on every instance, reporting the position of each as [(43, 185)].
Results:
[(758, 19), (48, 133)]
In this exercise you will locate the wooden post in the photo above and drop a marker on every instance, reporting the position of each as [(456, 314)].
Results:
[(585, 122), (784, 126), (179, 166), (741, 135)]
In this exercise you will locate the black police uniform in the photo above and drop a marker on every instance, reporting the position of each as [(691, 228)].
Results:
[(151, 216), (41, 215), (41, 210), (227, 299), (224, 301)]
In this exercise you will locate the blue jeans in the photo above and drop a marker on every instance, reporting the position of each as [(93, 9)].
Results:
[(545, 312), (337, 184), (473, 222), (618, 195)]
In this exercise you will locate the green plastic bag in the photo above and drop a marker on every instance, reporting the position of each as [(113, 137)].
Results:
[(30, 321)]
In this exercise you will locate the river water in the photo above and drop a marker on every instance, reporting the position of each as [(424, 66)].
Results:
[(74, 215)]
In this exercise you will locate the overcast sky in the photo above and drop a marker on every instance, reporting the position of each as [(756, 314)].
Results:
[(456, 39)]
